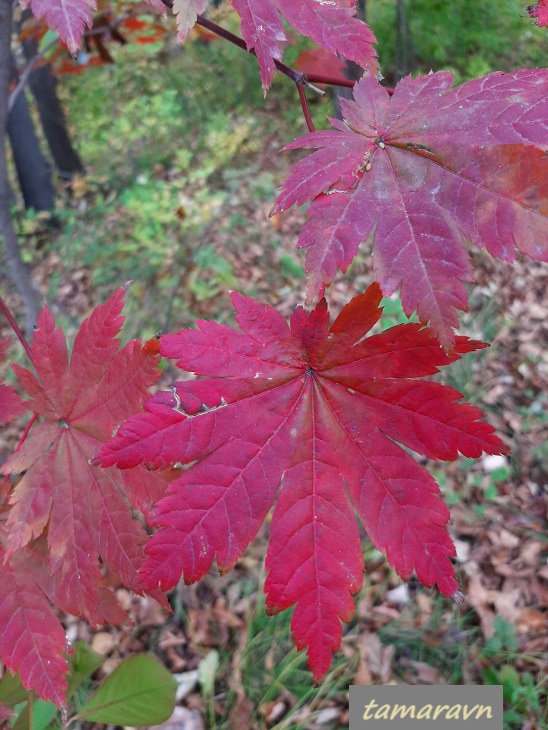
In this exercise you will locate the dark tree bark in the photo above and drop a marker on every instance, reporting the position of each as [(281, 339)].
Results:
[(43, 85), (18, 271), (32, 168), (352, 71), (405, 54)]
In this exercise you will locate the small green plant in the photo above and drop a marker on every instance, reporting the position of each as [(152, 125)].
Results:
[(140, 691), (524, 698)]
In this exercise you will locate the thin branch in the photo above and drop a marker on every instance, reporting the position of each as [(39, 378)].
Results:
[(291, 73), (15, 327), (330, 80), (306, 110), (296, 76)]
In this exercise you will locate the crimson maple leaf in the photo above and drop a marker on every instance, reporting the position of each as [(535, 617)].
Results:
[(426, 169), (68, 17), (87, 514), (32, 640), (11, 405), (317, 414), (539, 11)]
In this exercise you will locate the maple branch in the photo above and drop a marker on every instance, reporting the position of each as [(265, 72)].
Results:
[(296, 76), (330, 80), (15, 327), (306, 110)]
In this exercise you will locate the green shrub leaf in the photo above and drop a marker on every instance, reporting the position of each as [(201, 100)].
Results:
[(139, 692)]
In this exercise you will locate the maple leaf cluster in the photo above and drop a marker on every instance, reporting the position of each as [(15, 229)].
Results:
[(273, 417), (311, 419)]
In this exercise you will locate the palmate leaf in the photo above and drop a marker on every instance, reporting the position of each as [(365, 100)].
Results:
[(11, 405), (426, 169), (316, 414), (81, 401)]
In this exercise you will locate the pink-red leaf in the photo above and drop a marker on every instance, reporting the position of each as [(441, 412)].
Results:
[(539, 11), (425, 169), (32, 641), (81, 401), (316, 414), (68, 17), (331, 25), (11, 405)]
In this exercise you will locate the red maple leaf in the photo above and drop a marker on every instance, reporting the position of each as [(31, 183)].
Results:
[(331, 25), (317, 414), (11, 405), (539, 11), (88, 517), (426, 169), (68, 17), (32, 640)]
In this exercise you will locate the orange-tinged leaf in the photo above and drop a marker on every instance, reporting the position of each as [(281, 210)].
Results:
[(80, 400)]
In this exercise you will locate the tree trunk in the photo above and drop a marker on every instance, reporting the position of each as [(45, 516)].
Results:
[(32, 168), (405, 54), (352, 71), (44, 89), (18, 271)]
